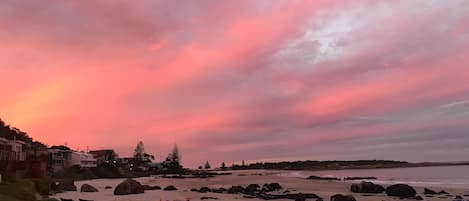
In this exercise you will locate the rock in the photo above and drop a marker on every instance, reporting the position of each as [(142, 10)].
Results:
[(323, 178), (271, 187), (401, 191), (209, 198), (251, 189), (366, 187), (170, 188), (249, 196), (146, 187), (443, 193), (418, 197), (129, 186), (66, 185), (84, 200), (88, 188), (204, 190), (64, 199), (340, 197), (219, 190), (300, 199), (458, 198), (235, 189), (108, 187), (155, 188), (428, 191)]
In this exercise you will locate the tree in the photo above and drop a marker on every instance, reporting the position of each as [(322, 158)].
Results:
[(139, 151), (243, 163), (174, 156), (173, 161), (223, 166), (207, 165)]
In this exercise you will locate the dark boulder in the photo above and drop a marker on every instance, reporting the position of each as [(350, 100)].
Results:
[(84, 200), (65, 185), (235, 189), (209, 198), (443, 193), (428, 191), (418, 197), (88, 188), (155, 188), (340, 197), (64, 199), (323, 178), (129, 186), (218, 190), (366, 187), (170, 188), (251, 189), (204, 190), (401, 191), (271, 187), (108, 187)]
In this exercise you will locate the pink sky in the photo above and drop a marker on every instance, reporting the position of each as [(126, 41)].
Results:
[(241, 80)]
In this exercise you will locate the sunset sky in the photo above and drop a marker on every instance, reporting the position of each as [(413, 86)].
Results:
[(243, 79)]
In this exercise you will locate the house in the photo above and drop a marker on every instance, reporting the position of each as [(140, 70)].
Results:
[(104, 156), (60, 159), (82, 159), (12, 150)]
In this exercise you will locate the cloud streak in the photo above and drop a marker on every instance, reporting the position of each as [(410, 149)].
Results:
[(262, 80)]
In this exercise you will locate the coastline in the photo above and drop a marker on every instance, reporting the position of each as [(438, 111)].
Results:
[(324, 189)]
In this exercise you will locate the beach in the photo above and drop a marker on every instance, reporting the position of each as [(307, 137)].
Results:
[(324, 189)]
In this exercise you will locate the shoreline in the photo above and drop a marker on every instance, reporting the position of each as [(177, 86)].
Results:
[(324, 189)]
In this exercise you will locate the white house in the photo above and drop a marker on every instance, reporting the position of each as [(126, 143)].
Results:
[(83, 159)]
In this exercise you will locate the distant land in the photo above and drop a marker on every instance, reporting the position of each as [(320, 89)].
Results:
[(340, 165)]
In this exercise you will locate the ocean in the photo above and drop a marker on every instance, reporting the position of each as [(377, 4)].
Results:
[(447, 176)]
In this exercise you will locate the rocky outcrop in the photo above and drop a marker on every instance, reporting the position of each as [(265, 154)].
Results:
[(129, 186), (401, 191), (366, 187), (170, 188), (323, 178), (428, 191), (88, 188), (209, 198), (271, 187), (235, 190), (340, 197)]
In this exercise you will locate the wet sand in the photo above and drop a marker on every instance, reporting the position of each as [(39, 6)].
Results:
[(324, 189)]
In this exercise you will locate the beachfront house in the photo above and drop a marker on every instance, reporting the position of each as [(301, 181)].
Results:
[(59, 159), (12, 150), (104, 156), (82, 159)]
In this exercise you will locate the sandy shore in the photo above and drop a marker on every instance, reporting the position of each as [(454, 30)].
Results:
[(296, 185)]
